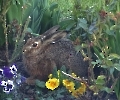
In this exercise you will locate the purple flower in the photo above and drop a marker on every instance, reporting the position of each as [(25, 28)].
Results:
[(7, 72), (1, 73), (0, 82), (13, 69), (7, 86), (9, 77)]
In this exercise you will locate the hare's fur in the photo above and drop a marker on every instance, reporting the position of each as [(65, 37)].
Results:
[(51, 49)]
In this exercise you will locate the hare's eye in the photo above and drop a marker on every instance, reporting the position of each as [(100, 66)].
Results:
[(35, 44)]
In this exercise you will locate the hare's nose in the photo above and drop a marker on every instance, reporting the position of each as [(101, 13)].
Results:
[(24, 51)]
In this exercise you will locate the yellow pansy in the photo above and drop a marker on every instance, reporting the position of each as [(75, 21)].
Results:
[(69, 85), (52, 83), (78, 92)]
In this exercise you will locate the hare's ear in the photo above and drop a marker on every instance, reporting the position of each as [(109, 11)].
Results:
[(51, 30), (52, 38)]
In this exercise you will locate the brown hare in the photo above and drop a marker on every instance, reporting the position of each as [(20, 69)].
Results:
[(51, 49)]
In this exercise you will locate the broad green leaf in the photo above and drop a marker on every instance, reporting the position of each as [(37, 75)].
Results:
[(82, 23), (40, 84), (100, 82)]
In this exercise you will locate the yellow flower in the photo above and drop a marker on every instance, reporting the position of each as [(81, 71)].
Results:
[(69, 85), (52, 83), (82, 87), (78, 92)]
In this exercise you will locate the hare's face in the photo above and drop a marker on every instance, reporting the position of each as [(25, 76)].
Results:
[(36, 46), (31, 48)]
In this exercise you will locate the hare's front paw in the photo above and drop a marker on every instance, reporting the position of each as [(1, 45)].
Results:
[(30, 81)]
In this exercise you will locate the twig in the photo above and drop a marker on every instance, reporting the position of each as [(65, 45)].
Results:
[(19, 42), (76, 78), (115, 82), (2, 60)]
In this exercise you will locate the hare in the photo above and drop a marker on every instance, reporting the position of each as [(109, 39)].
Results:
[(51, 49)]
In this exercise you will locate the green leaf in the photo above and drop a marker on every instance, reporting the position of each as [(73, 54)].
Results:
[(113, 56), (82, 23), (29, 30), (77, 48), (63, 68), (113, 27), (60, 95), (8, 98), (63, 24), (100, 82), (70, 26), (101, 77), (15, 12), (82, 20), (53, 6), (40, 84), (104, 66), (111, 70), (108, 90), (108, 62), (54, 72), (117, 66), (94, 63), (102, 55), (117, 89), (26, 99)]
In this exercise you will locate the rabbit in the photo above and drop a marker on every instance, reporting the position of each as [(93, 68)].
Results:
[(51, 49)]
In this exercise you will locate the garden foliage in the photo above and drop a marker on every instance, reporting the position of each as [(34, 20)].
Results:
[(94, 29)]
